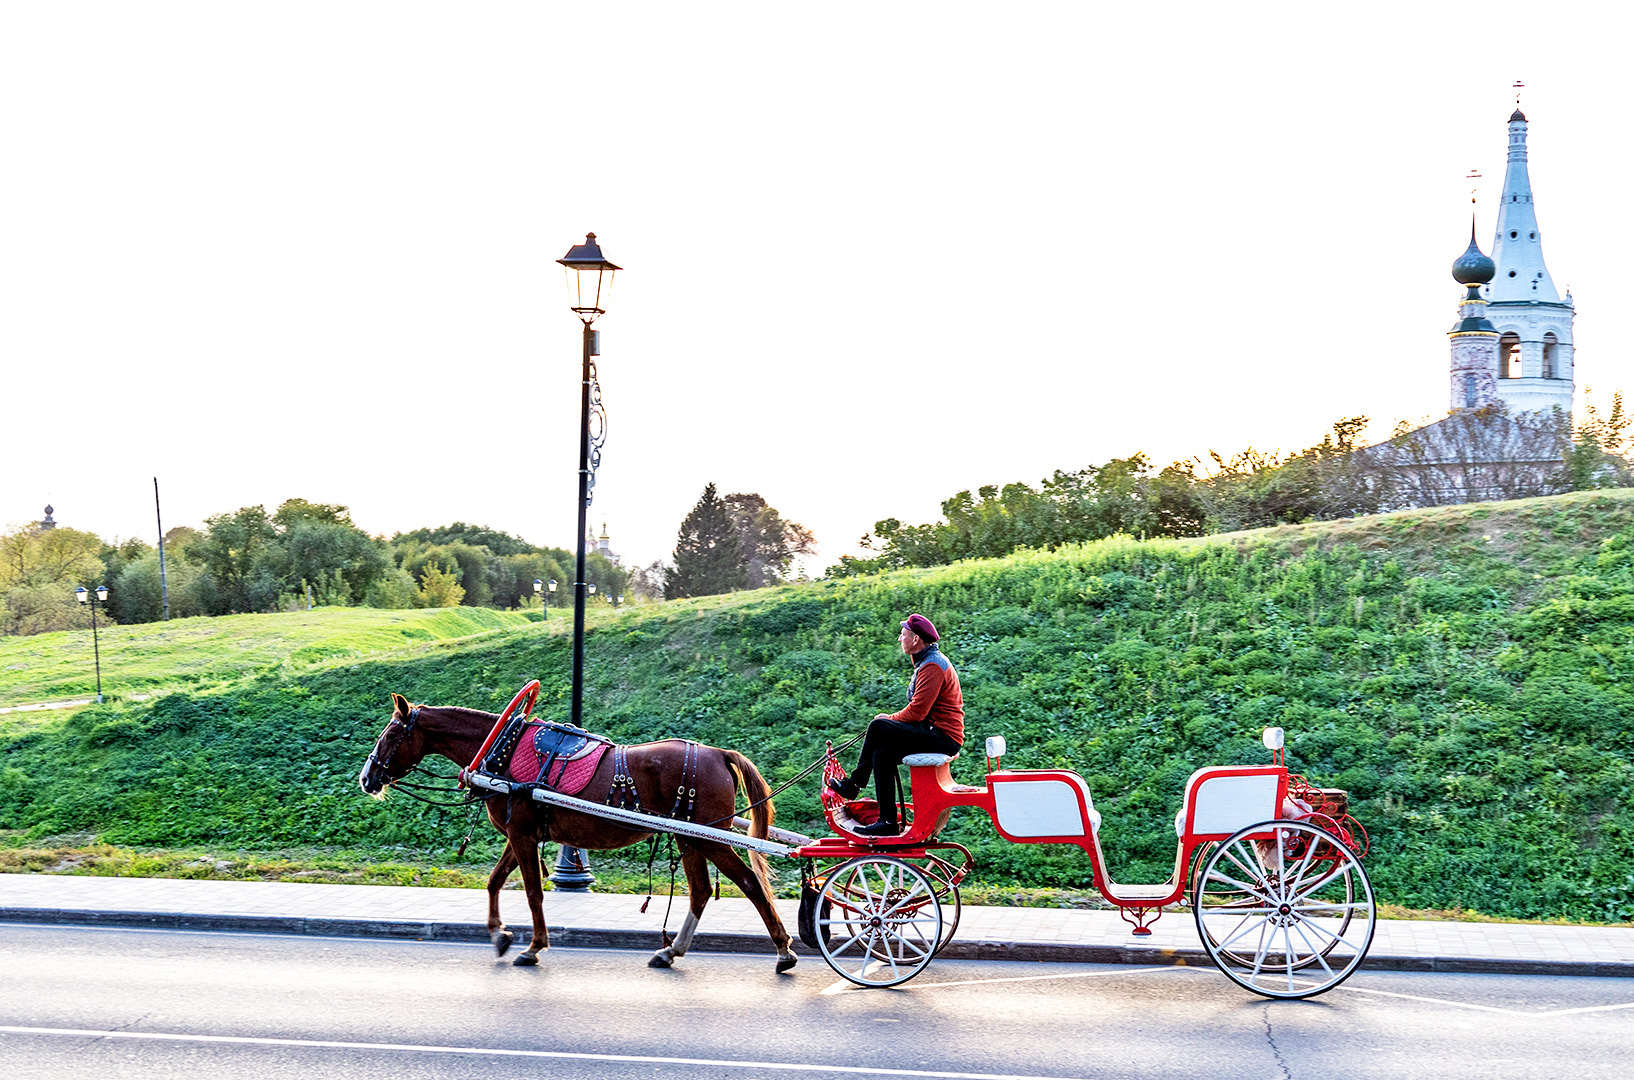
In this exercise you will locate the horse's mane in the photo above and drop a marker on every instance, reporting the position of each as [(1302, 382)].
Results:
[(468, 714)]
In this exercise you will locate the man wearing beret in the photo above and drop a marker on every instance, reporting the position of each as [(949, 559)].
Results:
[(932, 723)]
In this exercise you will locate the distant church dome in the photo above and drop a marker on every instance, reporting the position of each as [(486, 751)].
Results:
[(1472, 267), (1516, 115)]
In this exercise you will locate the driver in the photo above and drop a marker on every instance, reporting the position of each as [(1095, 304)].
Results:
[(932, 723)]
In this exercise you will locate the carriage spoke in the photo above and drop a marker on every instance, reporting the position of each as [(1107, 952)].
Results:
[(1255, 871), (1318, 905), (1255, 891), (1320, 957)]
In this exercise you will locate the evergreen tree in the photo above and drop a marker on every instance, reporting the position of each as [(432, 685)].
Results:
[(708, 552)]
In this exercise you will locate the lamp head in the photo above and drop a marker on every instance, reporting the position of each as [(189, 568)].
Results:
[(551, 585), (538, 586), (101, 592), (589, 278), (81, 595)]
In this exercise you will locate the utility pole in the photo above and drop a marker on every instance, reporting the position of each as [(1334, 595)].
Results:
[(164, 589)]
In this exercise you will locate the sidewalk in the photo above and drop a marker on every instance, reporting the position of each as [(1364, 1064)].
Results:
[(730, 925)]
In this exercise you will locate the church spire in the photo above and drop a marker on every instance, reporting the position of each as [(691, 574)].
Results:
[(1518, 246)]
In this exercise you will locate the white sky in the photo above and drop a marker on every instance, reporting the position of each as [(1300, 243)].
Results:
[(876, 252)]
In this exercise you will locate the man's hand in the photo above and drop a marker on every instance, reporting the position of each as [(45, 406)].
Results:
[(882, 716)]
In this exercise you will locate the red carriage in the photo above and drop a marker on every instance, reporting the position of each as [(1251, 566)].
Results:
[(1270, 866)]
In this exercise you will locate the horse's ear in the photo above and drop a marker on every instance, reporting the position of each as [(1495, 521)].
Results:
[(400, 704)]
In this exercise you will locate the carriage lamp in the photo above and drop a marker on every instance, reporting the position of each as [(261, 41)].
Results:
[(1273, 740), (995, 751), (83, 596)]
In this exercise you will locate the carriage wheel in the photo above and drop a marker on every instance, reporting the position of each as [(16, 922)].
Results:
[(878, 921), (1225, 900), (1284, 909)]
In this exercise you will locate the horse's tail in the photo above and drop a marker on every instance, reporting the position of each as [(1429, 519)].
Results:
[(761, 811)]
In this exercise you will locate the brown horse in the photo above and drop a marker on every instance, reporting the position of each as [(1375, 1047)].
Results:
[(416, 731)]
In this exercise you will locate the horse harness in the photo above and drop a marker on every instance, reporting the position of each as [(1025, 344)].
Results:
[(626, 796)]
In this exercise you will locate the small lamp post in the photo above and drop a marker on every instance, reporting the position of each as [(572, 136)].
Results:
[(85, 596), (539, 591)]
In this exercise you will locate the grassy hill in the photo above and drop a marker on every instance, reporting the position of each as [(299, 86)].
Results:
[(147, 657), (1464, 671)]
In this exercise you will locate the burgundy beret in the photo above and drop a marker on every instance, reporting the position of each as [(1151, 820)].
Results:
[(921, 626)]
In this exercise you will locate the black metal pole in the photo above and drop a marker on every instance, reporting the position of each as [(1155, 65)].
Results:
[(584, 510), (96, 650), (164, 589), (572, 871)]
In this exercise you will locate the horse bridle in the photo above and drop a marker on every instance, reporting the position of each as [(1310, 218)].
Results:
[(407, 725)]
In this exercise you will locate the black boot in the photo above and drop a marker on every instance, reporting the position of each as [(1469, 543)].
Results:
[(882, 827), (845, 787)]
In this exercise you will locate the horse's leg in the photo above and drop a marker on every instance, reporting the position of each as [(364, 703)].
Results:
[(697, 871), (497, 932), (755, 887), (527, 858)]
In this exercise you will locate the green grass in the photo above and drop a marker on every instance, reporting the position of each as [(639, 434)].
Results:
[(1464, 671), (149, 657)]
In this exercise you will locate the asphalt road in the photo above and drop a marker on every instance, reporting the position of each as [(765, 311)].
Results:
[(128, 1004)]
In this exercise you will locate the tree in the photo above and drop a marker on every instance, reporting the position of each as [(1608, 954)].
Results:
[(768, 543), (439, 587), (708, 552), (231, 549), (39, 570)]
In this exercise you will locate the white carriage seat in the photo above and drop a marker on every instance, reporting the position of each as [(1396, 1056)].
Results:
[(928, 759), (1226, 802)]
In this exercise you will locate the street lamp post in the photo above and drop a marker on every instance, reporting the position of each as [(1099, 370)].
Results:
[(589, 282), (85, 596)]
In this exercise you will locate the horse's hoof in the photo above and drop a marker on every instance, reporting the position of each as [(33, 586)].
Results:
[(527, 959), (502, 940), (658, 961), (786, 962)]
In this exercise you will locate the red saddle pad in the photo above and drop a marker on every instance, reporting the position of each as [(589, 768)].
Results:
[(567, 777)]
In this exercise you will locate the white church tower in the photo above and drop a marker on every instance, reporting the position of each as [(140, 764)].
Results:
[(1533, 322)]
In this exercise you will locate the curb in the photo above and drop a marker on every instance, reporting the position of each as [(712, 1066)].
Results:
[(598, 938)]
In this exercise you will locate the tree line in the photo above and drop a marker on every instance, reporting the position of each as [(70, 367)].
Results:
[(1452, 461), (248, 560)]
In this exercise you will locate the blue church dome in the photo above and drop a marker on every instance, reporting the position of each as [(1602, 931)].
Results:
[(1472, 267)]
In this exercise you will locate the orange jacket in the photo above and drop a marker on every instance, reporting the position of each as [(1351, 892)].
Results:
[(934, 695)]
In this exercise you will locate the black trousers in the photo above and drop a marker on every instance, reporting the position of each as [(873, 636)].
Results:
[(884, 747)]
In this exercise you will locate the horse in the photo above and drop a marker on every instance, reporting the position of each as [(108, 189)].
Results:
[(657, 769)]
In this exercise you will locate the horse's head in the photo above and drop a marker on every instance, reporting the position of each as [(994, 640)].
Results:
[(398, 750)]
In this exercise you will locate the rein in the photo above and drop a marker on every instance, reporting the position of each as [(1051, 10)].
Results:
[(790, 782)]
